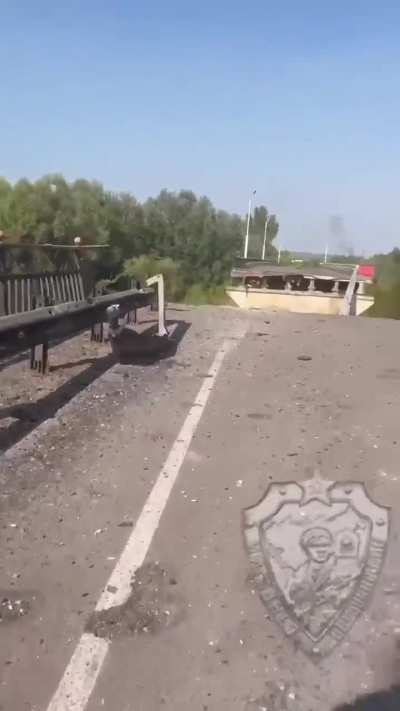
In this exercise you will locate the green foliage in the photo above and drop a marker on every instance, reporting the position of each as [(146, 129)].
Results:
[(203, 240), (199, 241), (386, 289), (141, 268), (346, 259), (257, 230), (286, 258), (387, 302), (197, 295)]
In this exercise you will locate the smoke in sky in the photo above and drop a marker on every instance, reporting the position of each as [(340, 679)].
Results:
[(340, 241)]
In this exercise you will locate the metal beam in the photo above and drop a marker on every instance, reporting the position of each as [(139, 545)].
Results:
[(22, 331)]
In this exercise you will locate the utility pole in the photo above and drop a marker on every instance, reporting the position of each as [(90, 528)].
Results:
[(246, 241), (265, 237)]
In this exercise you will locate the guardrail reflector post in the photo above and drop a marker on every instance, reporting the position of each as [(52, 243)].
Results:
[(40, 358), (159, 280)]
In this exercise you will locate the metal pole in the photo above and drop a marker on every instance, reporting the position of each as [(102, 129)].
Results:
[(349, 303), (326, 253), (265, 237), (246, 241), (279, 253), (159, 280)]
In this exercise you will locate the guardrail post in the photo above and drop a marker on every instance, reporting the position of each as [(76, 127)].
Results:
[(97, 332), (131, 316), (40, 353), (159, 280), (40, 358), (3, 311)]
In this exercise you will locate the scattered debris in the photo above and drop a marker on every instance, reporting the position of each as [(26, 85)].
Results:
[(274, 700), (258, 416), (151, 607), (12, 606), (304, 357)]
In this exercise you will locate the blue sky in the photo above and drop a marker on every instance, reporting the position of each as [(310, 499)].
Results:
[(299, 99)]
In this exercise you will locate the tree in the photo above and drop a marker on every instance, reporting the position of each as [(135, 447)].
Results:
[(141, 268), (257, 230), (199, 241)]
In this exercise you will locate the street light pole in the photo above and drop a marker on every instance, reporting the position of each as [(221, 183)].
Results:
[(265, 237), (246, 241)]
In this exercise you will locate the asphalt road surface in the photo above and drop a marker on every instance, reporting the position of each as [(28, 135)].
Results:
[(125, 581)]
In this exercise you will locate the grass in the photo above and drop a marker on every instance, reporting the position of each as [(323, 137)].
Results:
[(198, 295), (386, 292), (387, 302)]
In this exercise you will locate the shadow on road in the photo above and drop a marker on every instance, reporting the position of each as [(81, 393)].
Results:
[(149, 348), (73, 364), (378, 701), (28, 415)]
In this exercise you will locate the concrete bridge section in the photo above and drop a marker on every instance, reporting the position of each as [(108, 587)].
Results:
[(126, 584)]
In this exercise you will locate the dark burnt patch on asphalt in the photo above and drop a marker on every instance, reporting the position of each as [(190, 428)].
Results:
[(154, 604)]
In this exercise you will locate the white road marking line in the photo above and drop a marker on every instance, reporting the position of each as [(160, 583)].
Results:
[(80, 676), (139, 541)]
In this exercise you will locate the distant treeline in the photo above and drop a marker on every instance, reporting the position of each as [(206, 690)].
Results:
[(188, 238)]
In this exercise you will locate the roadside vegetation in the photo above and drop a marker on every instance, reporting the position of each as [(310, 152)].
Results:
[(186, 237), (386, 288)]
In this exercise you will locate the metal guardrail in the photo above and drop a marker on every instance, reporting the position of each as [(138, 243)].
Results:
[(36, 329)]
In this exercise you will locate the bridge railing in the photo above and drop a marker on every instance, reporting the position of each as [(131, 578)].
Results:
[(349, 300), (24, 292)]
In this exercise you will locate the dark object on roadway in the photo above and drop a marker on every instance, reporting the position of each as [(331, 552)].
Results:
[(377, 701), (304, 357), (127, 344)]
